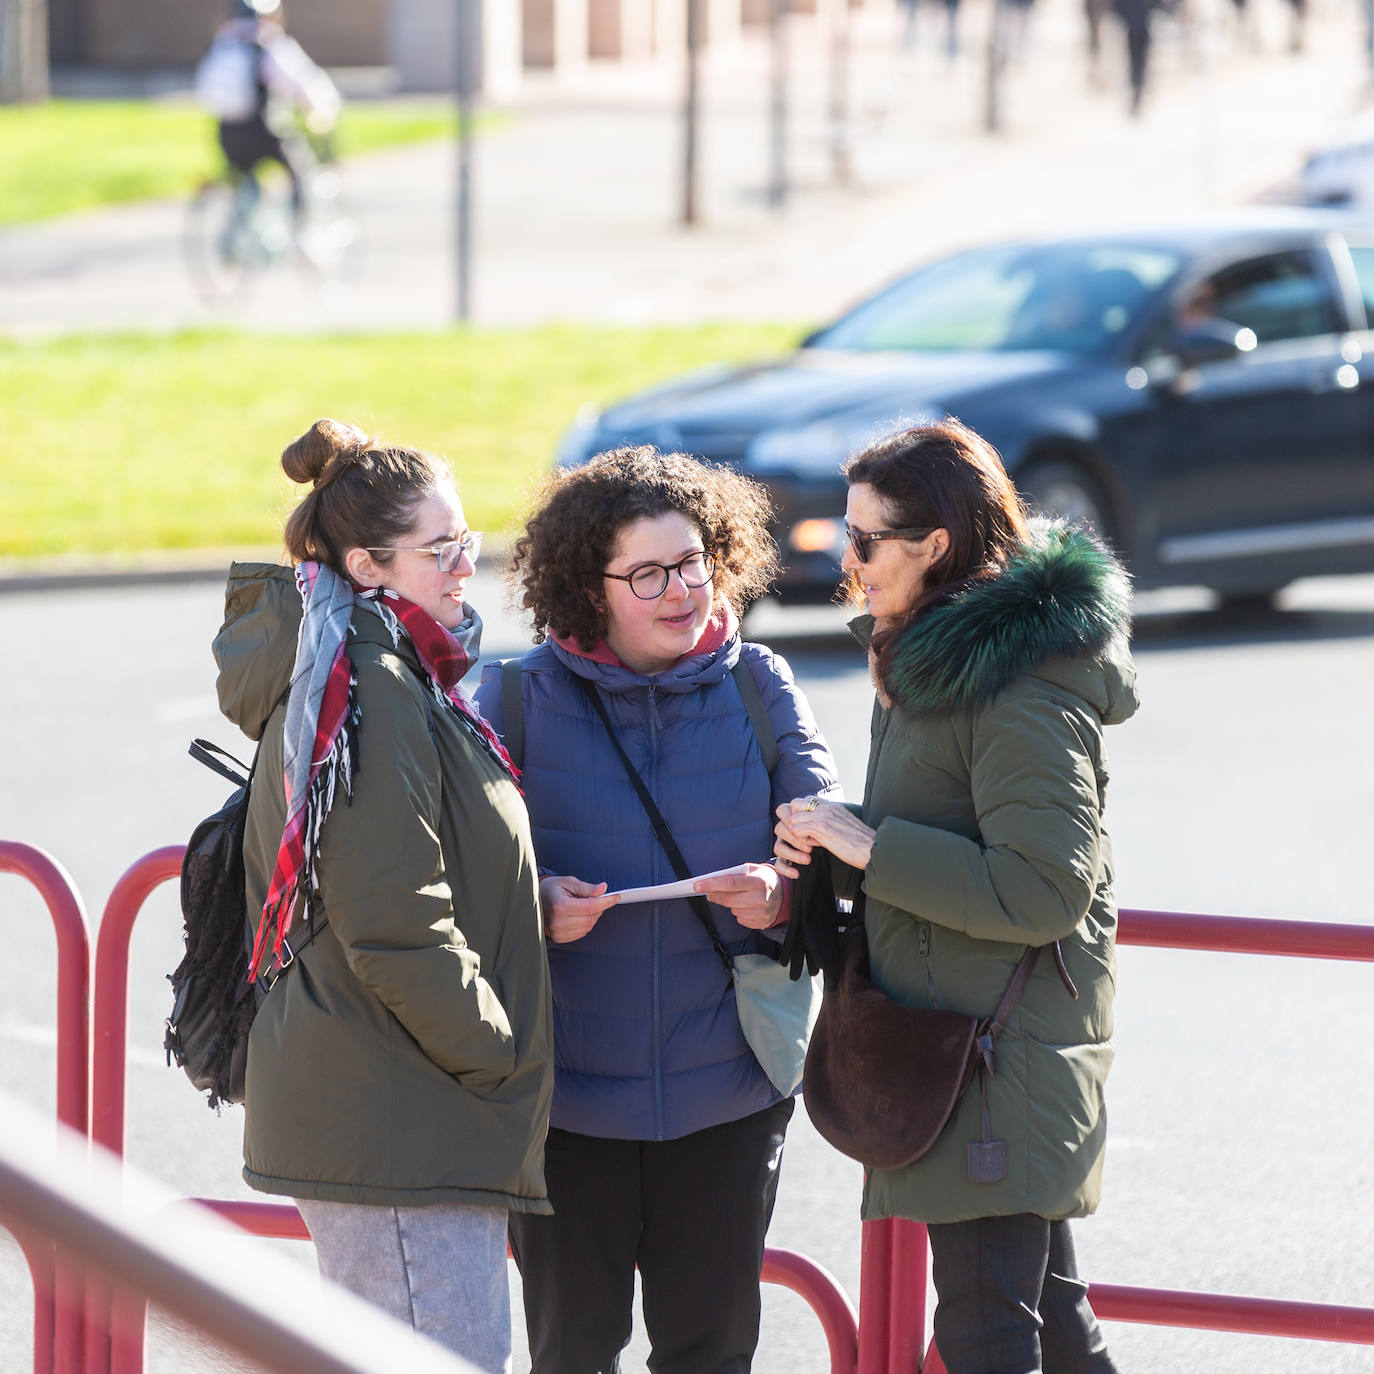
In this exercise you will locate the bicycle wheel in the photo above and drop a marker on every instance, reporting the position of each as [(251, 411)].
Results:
[(220, 241), (329, 242)]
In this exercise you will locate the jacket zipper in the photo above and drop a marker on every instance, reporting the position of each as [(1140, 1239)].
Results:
[(922, 927)]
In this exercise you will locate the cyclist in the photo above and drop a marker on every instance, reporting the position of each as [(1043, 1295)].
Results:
[(253, 80)]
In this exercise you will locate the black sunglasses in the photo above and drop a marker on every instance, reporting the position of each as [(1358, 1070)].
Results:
[(859, 542)]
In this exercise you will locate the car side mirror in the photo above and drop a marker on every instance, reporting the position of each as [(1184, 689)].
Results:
[(1211, 341)]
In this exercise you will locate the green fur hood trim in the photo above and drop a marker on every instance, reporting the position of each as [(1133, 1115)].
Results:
[(1063, 596)]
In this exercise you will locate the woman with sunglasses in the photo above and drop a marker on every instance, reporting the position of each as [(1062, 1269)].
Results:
[(998, 648), (666, 1134), (400, 1067)]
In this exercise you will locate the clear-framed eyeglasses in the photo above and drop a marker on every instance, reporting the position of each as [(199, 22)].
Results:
[(449, 554), (651, 580)]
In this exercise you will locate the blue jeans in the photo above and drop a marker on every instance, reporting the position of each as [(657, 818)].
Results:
[(1011, 1301), (439, 1269)]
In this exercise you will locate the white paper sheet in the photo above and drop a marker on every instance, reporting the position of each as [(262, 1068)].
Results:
[(679, 889)]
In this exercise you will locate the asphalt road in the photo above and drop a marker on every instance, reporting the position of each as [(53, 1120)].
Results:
[(1241, 1110)]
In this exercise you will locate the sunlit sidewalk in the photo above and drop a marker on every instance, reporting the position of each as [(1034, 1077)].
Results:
[(578, 197)]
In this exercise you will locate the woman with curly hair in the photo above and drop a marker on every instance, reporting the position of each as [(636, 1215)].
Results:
[(666, 1134), (998, 648)]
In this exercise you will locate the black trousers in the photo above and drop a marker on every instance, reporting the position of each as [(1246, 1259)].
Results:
[(1011, 1301), (246, 143), (691, 1214)]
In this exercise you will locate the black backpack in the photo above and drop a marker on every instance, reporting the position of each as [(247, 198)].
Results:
[(213, 1003)]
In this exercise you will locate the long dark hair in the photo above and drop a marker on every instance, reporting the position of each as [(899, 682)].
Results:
[(941, 476)]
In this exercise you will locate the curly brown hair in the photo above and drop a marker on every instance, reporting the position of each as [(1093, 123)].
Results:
[(558, 561)]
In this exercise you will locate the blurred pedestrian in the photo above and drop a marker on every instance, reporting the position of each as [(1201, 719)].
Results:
[(1135, 17), (951, 24), (400, 1068), (666, 1138), (255, 80), (1094, 12), (998, 650)]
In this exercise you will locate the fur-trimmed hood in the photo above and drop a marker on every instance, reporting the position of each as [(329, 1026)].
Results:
[(1060, 610)]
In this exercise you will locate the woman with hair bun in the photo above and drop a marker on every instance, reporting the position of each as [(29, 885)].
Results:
[(667, 1134), (400, 1066)]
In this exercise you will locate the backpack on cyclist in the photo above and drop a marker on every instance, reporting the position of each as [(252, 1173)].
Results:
[(226, 82)]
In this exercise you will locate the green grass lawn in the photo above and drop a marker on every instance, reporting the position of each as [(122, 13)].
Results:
[(77, 154), (137, 443)]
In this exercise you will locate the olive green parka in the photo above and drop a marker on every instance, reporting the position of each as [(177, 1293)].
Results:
[(986, 783), (406, 1057)]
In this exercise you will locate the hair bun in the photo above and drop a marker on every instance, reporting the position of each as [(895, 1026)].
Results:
[(320, 448)]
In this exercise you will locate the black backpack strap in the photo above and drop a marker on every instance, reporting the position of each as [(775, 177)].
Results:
[(513, 709), (204, 752), (665, 836), (758, 713)]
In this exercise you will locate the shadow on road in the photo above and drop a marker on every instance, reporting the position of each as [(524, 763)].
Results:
[(1165, 631)]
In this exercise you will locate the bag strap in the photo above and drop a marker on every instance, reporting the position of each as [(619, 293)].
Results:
[(1014, 991), (665, 836), (758, 714), (513, 710), (203, 751)]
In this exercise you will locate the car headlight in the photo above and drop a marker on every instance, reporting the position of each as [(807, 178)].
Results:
[(579, 439), (818, 449)]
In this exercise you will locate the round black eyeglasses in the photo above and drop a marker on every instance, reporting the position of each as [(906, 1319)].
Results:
[(859, 542), (651, 581)]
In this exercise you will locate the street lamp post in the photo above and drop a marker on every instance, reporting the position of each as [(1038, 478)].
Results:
[(690, 115), (465, 80), (777, 104)]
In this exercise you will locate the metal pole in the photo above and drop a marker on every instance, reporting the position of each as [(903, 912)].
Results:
[(777, 104), (690, 115), (996, 63), (840, 164), (465, 82)]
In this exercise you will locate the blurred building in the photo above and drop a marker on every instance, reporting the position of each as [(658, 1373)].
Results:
[(414, 38)]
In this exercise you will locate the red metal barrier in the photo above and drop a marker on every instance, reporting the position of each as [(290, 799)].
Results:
[(114, 1335), (893, 1287), (1246, 935), (125, 1321), (57, 1309), (1160, 1306), (815, 1285)]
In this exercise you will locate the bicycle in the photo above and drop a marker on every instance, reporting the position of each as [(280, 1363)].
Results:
[(235, 230)]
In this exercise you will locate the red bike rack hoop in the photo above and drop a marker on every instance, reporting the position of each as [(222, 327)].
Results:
[(56, 1304)]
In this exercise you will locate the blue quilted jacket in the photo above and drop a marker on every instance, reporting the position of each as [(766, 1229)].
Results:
[(647, 1041)]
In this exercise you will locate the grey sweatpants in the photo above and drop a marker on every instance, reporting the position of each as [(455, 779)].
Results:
[(439, 1269)]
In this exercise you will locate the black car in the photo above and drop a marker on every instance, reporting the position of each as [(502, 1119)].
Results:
[(1203, 394)]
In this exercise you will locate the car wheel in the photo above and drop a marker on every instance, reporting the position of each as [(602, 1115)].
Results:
[(1064, 490)]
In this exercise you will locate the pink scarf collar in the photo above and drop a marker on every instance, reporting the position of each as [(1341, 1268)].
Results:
[(720, 629)]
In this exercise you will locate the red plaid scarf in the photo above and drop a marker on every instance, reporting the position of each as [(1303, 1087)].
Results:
[(333, 757)]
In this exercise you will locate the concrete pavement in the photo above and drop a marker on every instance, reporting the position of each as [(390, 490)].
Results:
[(577, 196)]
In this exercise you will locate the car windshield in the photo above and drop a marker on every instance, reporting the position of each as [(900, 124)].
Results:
[(1070, 297)]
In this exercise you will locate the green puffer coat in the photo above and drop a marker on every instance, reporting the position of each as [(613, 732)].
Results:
[(407, 1056), (986, 783)]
